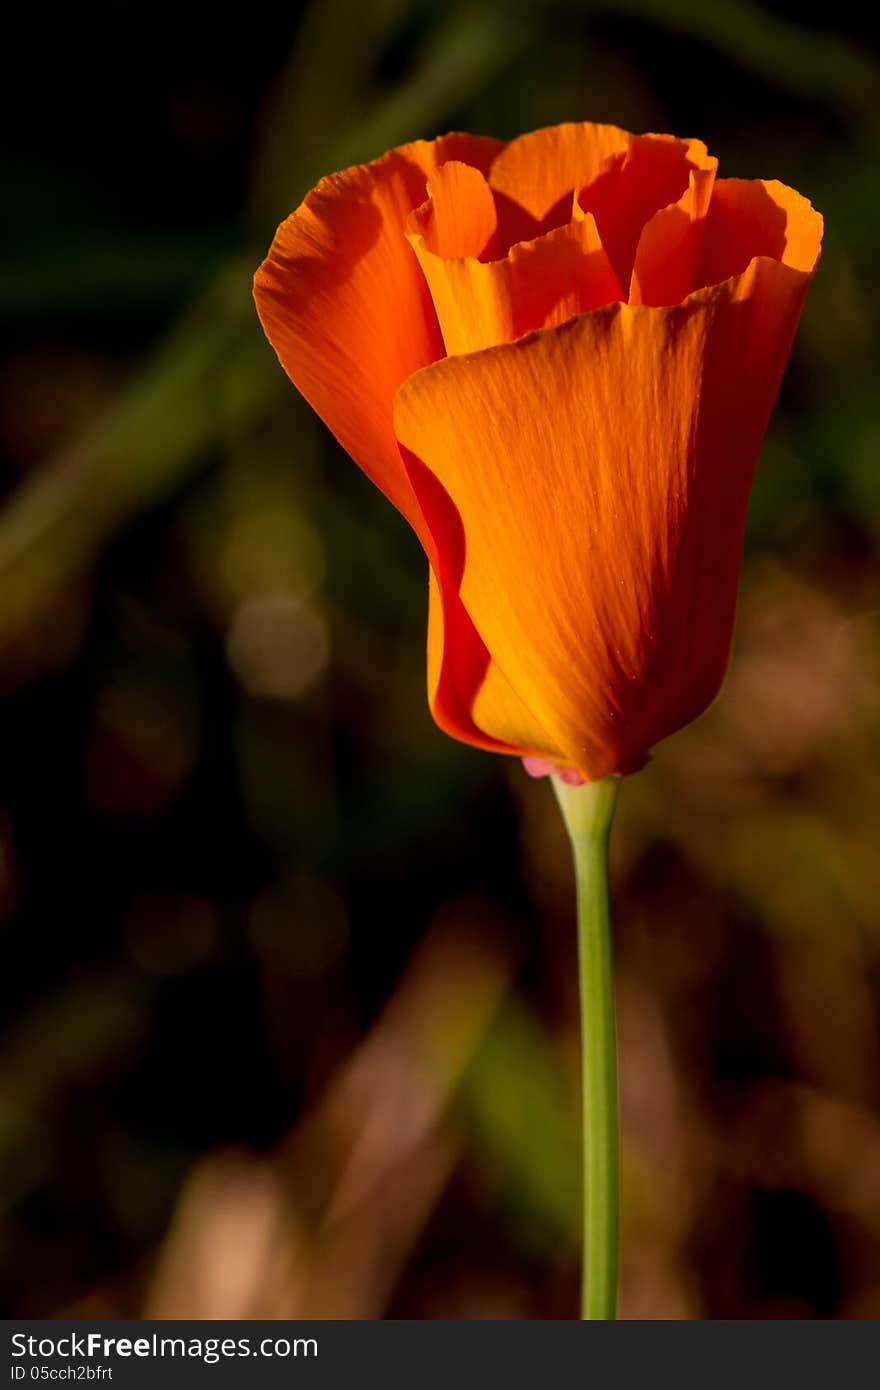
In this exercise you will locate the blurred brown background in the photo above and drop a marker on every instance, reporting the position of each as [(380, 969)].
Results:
[(289, 977)]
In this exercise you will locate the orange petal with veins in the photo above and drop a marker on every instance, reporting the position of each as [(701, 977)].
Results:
[(600, 472), (653, 173), (540, 283), (458, 218), (345, 306), (756, 217), (667, 259), (537, 170)]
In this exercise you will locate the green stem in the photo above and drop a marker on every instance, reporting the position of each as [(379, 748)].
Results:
[(587, 811)]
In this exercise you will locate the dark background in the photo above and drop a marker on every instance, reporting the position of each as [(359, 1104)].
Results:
[(288, 976)]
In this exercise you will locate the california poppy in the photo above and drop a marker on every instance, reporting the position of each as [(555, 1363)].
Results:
[(557, 357)]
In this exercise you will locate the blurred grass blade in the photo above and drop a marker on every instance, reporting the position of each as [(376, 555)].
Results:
[(819, 66), (97, 272), (201, 385), (521, 1112), (459, 59), (344, 38)]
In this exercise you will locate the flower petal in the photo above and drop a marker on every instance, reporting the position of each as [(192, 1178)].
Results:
[(470, 698), (537, 170), (539, 284), (600, 472), (652, 173), (754, 217), (344, 304), (668, 253), (458, 218), (468, 694)]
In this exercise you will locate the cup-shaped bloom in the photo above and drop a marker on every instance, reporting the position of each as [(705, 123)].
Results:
[(557, 357)]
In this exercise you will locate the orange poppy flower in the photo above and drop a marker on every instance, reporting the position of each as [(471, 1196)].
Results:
[(557, 357)]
